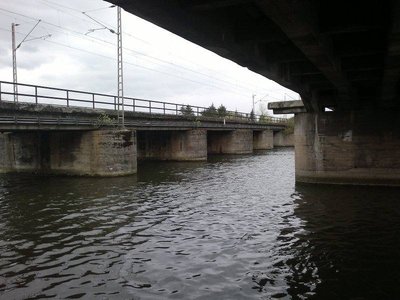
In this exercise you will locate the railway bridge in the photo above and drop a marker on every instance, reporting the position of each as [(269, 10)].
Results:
[(57, 131)]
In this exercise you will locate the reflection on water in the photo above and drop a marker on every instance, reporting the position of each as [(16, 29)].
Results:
[(230, 228)]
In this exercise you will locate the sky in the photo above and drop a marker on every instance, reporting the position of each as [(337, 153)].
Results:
[(81, 54)]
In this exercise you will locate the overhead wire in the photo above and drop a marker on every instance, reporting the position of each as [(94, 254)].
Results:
[(144, 41), (144, 55), (136, 65), (83, 36)]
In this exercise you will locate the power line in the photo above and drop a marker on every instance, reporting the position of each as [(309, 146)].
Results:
[(144, 56), (135, 37), (136, 65), (133, 51)]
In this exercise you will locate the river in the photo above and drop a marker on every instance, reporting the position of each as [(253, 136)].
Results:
[(229, 228)]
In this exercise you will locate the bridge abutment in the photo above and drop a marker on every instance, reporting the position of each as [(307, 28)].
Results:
[(179, 145), (263, 139), (238, 141), (92, 153), (348, 147)]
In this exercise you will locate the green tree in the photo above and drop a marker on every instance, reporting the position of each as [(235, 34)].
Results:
[(210, 111), (222, 112), (187, 110)]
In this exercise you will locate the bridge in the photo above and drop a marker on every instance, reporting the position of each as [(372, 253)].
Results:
[(58, 131), (342, 57)]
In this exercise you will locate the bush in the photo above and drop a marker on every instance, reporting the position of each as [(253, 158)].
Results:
[(105, 120)]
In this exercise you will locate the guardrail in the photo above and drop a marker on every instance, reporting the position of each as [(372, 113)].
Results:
[(37, 94)]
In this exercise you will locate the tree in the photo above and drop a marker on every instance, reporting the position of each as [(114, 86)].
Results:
[(210, 112), (187, 110), (222, 112), (252, 116)]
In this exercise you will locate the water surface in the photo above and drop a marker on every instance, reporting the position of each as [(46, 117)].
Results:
[(230, 228)]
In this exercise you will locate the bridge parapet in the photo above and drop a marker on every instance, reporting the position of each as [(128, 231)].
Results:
[(42, 99)]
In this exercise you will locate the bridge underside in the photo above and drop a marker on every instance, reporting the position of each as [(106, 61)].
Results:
[(335, 53), (338, 55)]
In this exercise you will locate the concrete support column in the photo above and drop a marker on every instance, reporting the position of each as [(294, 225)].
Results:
[(95, 153), (184, 145), (348, 147), (230, 142), (282, 139), (263, 139), (92, 153)]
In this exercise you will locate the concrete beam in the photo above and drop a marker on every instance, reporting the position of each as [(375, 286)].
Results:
[(287, 107)]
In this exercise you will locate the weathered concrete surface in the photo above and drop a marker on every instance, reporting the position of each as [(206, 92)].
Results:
[(348, 147), (92, 153), (263, 140), (282, 139), (5, 153), (287, 107), (230, 142), (185, 145)]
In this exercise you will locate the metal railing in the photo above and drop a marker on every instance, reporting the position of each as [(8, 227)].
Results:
[(37, 94)]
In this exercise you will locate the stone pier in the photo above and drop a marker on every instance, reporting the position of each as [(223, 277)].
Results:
[(184, 145), (92, 153), (263, 139), (359, 147), (230, 142)]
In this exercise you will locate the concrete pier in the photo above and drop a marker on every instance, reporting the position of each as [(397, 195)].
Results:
[(283, 139), (184, 145), (263, 139), (92, 153), (359, 147), (230, 142)]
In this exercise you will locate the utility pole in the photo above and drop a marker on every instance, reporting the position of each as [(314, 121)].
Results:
[(120, 67), (120, 71), (14, 58), (14, 53), (253, 96)]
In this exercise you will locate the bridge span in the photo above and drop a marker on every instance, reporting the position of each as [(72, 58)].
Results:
[(58, 131)]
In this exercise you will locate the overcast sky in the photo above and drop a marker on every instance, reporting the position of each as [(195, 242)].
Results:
[(158, 64)]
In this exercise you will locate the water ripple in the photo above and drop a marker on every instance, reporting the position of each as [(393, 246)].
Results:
[(231, 228)]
